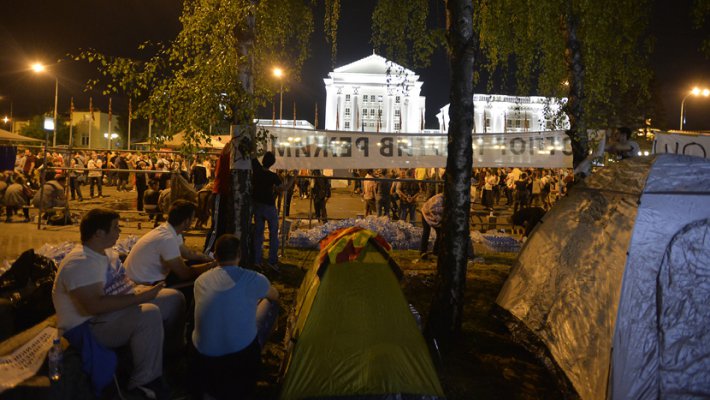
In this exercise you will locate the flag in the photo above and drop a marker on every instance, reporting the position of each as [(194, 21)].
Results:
[(91, 108)]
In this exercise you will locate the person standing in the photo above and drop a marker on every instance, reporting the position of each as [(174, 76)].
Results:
[(76, 176), (320, 193), (94, 166), (369, 187), (382, 195), (407, 192), (141, 183), (265, 185), (235, 312)]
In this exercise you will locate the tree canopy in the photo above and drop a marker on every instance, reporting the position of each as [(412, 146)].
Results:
[(593, 52)]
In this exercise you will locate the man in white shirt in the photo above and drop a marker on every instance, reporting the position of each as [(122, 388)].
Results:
[(161, 252), (91, 287)]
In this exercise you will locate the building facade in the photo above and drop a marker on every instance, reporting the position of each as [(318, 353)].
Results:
[(95, 132), (374, 95), (502, 113)]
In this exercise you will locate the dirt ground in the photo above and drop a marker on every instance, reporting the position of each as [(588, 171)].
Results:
[(484, 364)]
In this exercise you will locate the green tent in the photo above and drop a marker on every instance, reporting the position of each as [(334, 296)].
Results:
[(352, 333)]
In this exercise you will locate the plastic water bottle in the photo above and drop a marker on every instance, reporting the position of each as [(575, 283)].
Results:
[(54, 359)]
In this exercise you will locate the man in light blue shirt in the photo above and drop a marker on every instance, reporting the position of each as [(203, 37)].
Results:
[(235, 311)]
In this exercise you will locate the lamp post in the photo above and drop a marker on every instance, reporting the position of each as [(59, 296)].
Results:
[(695, 92), (39, 68), (279, 73)]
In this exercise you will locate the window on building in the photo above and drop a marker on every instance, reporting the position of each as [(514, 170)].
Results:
[(347, 111), (509, 123), (347, 97), (397, 99), (372, 112), (397, 126), (365, 98), (488, 122), (517, 123), (364, 112), (347, 124), (397, 112), (84, 140), (379, 99), (379, 113)]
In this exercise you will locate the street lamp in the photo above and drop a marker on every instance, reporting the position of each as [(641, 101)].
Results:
[(110, 138), (695, 92), (39, 68), (279, 74)]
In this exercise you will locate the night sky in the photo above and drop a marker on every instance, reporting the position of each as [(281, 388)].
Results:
[(46, 30)]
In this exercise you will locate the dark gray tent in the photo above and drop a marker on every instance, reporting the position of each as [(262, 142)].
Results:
[(612, 290)]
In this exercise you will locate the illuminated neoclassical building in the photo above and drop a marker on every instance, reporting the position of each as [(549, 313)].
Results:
[(374, 95), (502, 113), (377, 95)]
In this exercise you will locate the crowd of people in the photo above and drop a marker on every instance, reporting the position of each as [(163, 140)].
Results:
[(95, 169), (141, 303)]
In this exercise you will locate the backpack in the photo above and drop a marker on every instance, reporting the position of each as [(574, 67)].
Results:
[(28, 286)]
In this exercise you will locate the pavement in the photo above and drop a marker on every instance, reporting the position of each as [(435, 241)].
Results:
[(17, 237)]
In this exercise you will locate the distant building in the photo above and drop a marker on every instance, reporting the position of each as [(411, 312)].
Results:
[(94, 132), (501, 113), (374, 95)]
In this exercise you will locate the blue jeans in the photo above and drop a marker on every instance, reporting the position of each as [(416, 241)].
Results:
[(407, 210), (266, 213)]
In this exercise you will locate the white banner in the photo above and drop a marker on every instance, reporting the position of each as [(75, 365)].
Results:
[(308, 149), (26, 360), (688, 144)]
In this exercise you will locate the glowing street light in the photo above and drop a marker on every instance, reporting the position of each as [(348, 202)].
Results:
[(279, 74), (695, 92), (39, 68)]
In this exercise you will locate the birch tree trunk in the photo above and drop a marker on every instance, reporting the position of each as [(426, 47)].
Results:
[(445, 315), (243, 137)]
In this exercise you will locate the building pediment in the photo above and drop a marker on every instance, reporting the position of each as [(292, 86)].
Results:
[(374, 65)]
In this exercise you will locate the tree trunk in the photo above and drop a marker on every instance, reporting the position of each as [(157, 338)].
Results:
[(243, 137), (445, 315), (575, 106)]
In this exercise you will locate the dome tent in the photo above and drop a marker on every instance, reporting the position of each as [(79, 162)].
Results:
[(352, 334), (611, 290)]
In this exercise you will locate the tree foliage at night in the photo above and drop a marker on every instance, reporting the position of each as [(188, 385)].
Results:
[(701, 20), (595, 53)]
